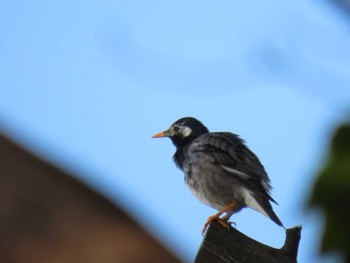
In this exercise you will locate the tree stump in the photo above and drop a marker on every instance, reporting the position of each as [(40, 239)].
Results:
[(223, 246)]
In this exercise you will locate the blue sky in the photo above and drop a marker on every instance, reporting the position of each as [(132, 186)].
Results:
[(85, 84)]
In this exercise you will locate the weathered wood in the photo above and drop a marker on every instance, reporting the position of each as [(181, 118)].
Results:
[(223, 246)]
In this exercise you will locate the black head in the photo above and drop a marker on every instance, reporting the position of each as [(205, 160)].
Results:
[(184, 131)]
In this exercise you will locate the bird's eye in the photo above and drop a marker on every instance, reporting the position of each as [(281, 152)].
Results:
[(176, 128)]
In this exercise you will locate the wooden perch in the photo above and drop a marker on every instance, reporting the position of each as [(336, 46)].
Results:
[(223, 246)]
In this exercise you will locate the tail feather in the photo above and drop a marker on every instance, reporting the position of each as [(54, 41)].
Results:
[(272, 215), (261, 205)]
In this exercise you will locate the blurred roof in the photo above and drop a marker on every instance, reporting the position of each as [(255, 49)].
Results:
[(49, 216)]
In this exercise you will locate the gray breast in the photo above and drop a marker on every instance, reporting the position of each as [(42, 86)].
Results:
[(211, 184)]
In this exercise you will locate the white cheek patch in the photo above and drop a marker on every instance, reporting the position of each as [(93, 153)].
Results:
[(186, 131)]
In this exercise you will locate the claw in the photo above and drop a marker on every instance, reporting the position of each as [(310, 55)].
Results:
[(209, 220), (223, 221)]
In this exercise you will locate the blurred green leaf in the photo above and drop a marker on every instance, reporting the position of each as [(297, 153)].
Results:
[(331, 193)]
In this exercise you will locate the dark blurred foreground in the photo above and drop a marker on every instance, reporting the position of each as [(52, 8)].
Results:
[(48, 216)]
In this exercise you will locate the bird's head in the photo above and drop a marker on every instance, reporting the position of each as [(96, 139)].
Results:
[(183, 131)]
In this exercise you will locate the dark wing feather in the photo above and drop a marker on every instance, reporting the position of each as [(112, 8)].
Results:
[(229, 150)]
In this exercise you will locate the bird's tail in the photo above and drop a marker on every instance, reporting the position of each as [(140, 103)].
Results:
[(262, 205), (271, 214)]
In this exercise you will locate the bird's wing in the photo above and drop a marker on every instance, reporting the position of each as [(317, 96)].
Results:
[(229, 152)]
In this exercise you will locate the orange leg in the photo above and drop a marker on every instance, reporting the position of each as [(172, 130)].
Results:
[(223, 221), (226, 217)]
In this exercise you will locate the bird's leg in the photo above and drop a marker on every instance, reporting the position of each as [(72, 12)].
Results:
[(226, 217), (223, 221)]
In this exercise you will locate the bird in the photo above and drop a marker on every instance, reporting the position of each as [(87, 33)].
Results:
[(220, 170)]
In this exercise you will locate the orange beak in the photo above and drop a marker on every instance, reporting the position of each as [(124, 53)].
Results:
[(160, 134)]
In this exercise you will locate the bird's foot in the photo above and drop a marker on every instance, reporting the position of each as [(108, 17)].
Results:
[(222, 221), (225, 223), (209, 220), (225, 219)]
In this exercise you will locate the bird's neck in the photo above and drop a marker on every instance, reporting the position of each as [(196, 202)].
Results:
[(179, 157)]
